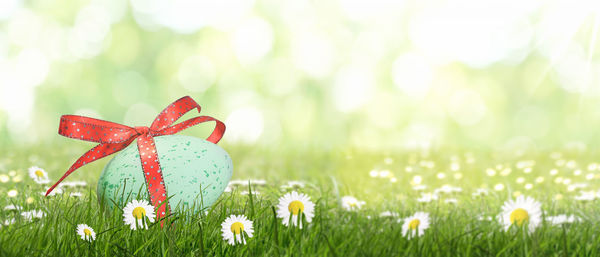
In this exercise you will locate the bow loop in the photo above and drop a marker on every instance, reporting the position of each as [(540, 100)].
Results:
[(94, 130), (173, 112)]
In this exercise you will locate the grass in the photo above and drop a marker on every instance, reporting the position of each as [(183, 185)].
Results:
[(456, 229)]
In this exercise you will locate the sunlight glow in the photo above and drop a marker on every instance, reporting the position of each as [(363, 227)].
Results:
[(244, 125), (476, 33), (466, 107), (197, 73), (252, 40), (312, 53), (188, 16), (412, 74), (353, 87), (8, 8)]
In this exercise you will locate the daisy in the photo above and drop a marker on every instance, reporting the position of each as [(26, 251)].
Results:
[(562, 219), (292, 205), (57, 190), (350, 203), (86, 232), (419, 187), (427, 197), (447, 189), (135, 212), (12, 193), (258, 182), (30, 215), (480, 192), (293, 184), (39, 175), (451, 200), (4, 178), (586, 196), (237, 182), (76, 194), (523, 210), (485, 218), (236, 228), (74, 184), (9, 222), (12, 207), (415, 226), (388, 214)]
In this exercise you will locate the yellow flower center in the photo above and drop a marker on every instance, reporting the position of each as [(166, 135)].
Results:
[(352, 204), (237, 228), (87, 232), (414, 224), (39, 173), (138, 212), (296, 207), (519, 216)]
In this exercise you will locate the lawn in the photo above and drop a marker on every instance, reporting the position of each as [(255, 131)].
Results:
[(463, 193)]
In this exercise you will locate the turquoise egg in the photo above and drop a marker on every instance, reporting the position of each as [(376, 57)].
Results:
[(195, 172)]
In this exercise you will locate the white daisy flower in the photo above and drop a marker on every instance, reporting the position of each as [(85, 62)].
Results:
[(4, 178), (136, 212), (293, 184), (523, 210), (247, 193), (427, 197), (350, 203), (292, 205), (578, 186), (57, 191), (419, 187), (237, 182), (255, 182), (451, 200), (485, 218), (30, 215), (39, 175), (86, 232), (447, 189), (388, 214), (480, 192), (415, 225), (76, 194), (9, 222), (12, 207), (258, 182), (74, 184), (236, 228), (562, 219), (586, 196), (12, 193)]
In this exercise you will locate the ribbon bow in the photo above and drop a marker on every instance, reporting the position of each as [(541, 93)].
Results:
[(115, 137)]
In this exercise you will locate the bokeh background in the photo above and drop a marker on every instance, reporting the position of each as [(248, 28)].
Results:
[(375, 75)]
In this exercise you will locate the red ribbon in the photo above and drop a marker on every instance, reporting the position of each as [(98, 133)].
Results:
[(115, 137)]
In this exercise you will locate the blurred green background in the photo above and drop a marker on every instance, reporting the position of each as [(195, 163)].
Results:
[(376, 75)]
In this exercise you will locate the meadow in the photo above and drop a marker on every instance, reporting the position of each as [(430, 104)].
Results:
[(462, 192)]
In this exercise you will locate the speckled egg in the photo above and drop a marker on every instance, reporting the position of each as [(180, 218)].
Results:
[(195, 171)]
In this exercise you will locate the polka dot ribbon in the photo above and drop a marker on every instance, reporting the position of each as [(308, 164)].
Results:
[(115, 137)]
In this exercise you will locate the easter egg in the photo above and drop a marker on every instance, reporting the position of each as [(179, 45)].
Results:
[(195, 172)]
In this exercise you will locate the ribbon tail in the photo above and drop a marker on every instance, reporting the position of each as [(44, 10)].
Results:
[(98, 152), (155, 183)]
